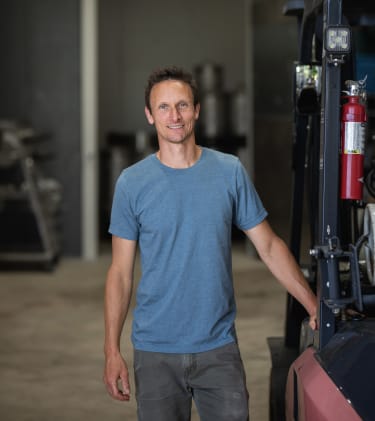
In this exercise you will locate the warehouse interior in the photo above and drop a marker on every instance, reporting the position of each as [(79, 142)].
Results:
[(73, 77), (71, 83)]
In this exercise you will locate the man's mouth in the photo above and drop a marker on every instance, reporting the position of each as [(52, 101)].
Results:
[(175, 126)]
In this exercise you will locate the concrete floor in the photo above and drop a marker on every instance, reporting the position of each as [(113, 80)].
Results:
[(51, 330)]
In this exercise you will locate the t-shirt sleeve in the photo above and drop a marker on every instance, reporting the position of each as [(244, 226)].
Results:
[(123, 221), (249, 209)]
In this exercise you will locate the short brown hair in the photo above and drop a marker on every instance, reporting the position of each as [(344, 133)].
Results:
[(170, 73)]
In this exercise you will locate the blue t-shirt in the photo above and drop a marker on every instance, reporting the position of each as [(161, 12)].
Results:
[(182, 220)]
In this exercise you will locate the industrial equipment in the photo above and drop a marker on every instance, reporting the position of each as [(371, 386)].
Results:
[(328, 374), (29, 202)]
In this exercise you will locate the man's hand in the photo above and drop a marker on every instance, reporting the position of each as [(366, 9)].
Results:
[(313, 323), (116, 377)]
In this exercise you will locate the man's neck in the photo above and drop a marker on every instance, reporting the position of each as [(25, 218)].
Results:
[(179, 156)]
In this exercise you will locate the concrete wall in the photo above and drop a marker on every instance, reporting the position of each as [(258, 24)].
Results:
[(111, 66)]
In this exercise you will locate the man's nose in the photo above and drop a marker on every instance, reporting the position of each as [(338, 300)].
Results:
[(175, 114)]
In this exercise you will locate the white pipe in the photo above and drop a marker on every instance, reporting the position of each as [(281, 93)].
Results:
[(89, 130)]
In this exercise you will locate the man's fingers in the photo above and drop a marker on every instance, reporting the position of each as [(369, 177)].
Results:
[(125, 387), (313, 323), (117, 393)]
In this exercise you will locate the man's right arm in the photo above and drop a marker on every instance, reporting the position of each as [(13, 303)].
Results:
[(118, 291)]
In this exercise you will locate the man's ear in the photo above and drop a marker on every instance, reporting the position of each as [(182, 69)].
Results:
[(197, 111), (149, 117)]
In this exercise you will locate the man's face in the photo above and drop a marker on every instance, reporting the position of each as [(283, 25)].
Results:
[(172, 111)]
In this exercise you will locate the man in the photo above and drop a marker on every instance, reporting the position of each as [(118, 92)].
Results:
[(179, 205)]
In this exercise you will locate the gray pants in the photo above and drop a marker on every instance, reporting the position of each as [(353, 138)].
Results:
[(167, 383)]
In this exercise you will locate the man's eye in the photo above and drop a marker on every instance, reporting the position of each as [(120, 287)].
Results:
[(163, 107), (183, 105)]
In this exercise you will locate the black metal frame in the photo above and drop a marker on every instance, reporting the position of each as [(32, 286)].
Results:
[(329, 216)]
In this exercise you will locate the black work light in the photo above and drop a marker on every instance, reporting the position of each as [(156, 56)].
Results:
[(337, 43)]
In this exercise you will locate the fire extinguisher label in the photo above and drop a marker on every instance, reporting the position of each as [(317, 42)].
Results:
[(354, 138)]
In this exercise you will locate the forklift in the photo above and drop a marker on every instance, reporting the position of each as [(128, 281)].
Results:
[(328, 374)]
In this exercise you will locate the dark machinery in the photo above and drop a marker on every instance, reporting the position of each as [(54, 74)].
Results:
[(327, 374), (29, 202)]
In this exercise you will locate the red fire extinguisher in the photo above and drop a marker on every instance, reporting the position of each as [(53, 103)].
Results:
[(353, 127)]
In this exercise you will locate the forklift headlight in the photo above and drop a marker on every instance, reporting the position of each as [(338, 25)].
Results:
[(337, 40)]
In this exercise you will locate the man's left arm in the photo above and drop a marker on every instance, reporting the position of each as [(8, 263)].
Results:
[(280, 261)]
